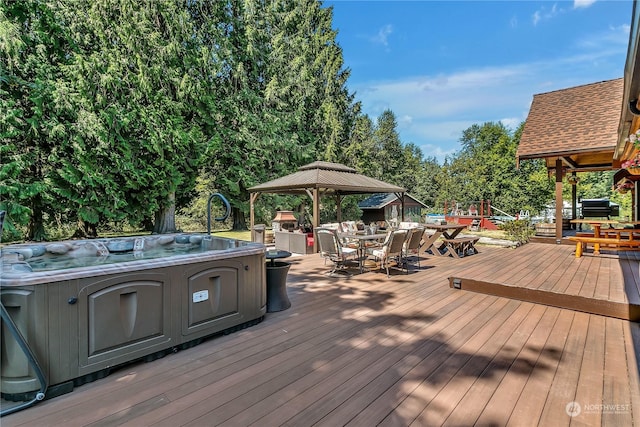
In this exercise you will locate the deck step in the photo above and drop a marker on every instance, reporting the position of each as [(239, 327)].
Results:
[(619, 310)]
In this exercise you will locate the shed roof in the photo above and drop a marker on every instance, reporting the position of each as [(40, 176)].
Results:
[(578, 125), (378, 201), (330, 178)]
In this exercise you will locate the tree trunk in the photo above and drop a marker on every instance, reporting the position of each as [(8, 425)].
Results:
[(165, 218), (85, 230), (239, 223), (35, 229)]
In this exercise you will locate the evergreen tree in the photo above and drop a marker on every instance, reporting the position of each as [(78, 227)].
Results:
[(130, 90), (428, 188), (389, 148), (283, 96), (360, 153), (33, 45)]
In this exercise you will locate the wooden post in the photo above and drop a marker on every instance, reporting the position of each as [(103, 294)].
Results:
[(559, 205), (634, 202), (574, 201), (252, 199), (316, 217)]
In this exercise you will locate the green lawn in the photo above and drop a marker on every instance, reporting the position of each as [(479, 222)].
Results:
[(238, 235)]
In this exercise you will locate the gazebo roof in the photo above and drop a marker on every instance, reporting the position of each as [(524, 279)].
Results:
[(578, 125), (327, 177)]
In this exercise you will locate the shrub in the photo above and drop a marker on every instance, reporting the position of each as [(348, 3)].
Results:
[(519, 230)]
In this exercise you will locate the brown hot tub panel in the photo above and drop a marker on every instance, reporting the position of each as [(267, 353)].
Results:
[(212, 297), (79, 321), (126, 315)]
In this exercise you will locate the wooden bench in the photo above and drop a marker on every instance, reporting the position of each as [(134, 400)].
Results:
[(613, 233), (459, 246), (615, 243)]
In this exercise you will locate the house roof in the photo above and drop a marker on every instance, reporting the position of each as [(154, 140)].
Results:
[(328, 177), (378, 201), (578, 125)]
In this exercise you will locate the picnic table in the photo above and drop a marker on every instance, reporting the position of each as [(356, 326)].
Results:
[(611, 237), (451, 245)]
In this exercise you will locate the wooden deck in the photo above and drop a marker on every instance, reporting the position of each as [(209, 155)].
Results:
[(406, 350), (607, 284)]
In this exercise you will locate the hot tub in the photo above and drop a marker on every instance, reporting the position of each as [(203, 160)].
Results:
[(85, 306)]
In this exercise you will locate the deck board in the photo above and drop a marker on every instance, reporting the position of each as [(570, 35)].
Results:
[(530, 406), (613, 390), (491, 367), (404, 350), (559, 395)]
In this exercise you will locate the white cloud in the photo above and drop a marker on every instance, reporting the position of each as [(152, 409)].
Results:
[(582, 3), (405, 120), (536, 18), (429, 150), (513, 122), (614, 35), (545, 13), (425, 105), (382, 37)]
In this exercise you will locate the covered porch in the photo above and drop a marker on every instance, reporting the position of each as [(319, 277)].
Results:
[(573, 130)]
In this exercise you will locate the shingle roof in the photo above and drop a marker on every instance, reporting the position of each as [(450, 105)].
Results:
[(576, 120), (330, 177), (378, 201)]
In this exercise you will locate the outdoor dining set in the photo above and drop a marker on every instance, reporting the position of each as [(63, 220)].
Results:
[(368, 248)]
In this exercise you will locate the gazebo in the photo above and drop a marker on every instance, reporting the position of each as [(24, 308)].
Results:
[(320, 179)]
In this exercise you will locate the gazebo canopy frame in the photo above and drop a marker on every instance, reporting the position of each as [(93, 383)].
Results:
[(320, 179)]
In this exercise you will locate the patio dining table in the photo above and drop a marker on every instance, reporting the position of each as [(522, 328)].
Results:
[(362, 244)]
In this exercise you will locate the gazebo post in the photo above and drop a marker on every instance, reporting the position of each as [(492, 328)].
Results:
[(338, 208), (252, 198), (316, 216)]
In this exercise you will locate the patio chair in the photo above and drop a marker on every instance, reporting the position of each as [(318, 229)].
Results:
[(390, 254), (412, 245), (332, 249), (348, 227)]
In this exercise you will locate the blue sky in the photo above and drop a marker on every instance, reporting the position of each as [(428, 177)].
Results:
[(442, 66)]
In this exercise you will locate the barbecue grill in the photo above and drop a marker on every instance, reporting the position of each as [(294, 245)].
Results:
[(599, 208)]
